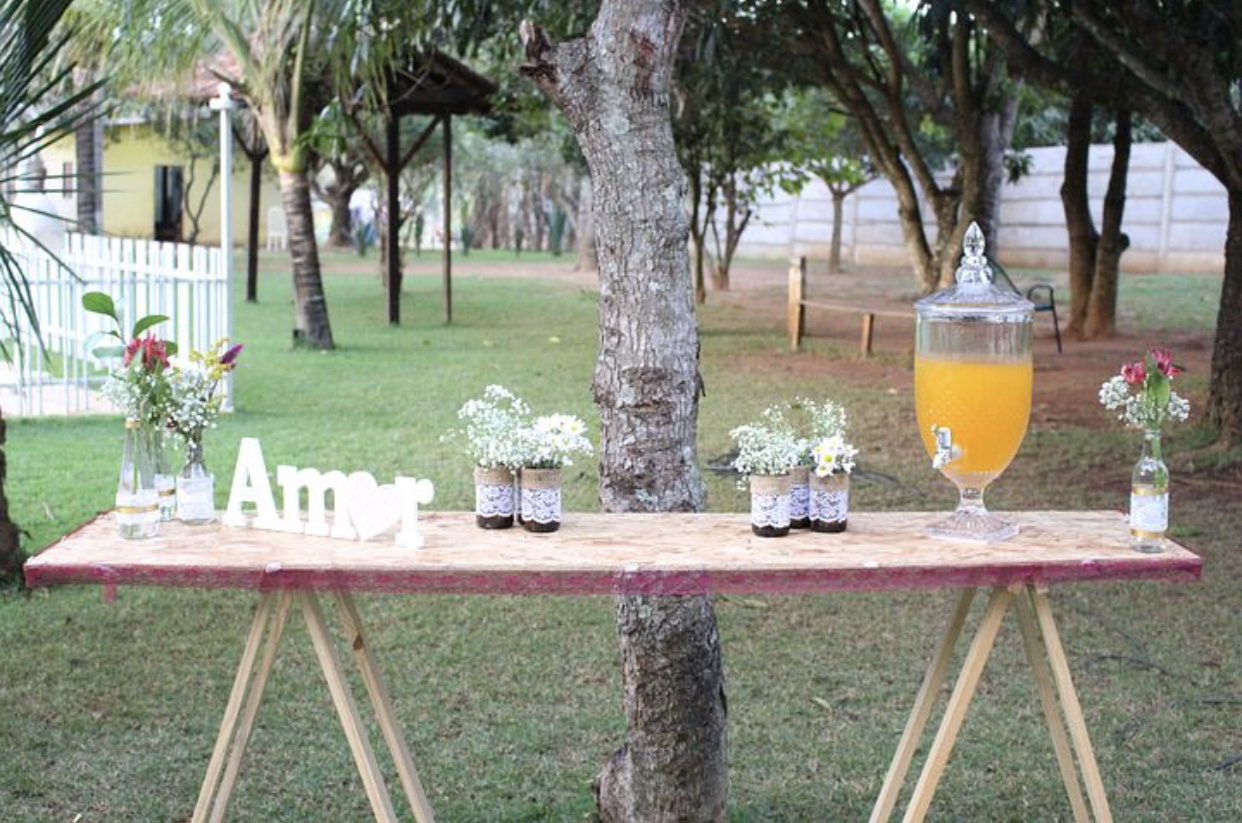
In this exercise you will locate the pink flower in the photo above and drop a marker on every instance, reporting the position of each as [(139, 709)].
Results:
[(1134, 373), (154, 353), (1164, 362)]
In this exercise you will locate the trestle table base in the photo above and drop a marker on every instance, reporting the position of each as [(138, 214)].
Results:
[(1056, 694), (248, 685)]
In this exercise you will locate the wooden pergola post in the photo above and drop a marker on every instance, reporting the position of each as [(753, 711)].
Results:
[(392, 177), (448, 219)]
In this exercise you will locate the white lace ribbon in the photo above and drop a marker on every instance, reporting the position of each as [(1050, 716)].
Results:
[(493, 500), (769, 510), (541, 505)]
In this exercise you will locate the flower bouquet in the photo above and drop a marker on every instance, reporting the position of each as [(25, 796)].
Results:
[(767, 451), (830, 459), (491, 428), (1143, 397), (193, 407), (547, 445), (138, 388)]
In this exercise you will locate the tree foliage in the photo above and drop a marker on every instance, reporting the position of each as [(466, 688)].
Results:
[(1178, 65), (909, 80), (37, 107)]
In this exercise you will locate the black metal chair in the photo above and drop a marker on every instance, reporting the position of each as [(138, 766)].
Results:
[(1041, 294)]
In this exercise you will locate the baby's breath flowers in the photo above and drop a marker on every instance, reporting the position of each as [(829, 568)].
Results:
[(491, 425), (767, 447), (500, 432), (1142, 393), (193, 401)]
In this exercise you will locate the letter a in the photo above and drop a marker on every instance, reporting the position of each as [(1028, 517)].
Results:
[(251, 485)]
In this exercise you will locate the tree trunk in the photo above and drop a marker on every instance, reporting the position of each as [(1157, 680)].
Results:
[(1225, 388), (926, 266), (341, 231), (10, 534), (838, 218), (698, 232), (613, 86), (252, 237), (1102, 308), (255, 148), (311, 327), (995, 135), (87, 182), (1083, 238), (586, 227)]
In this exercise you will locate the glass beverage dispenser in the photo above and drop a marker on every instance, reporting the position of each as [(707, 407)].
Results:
[(972, 387)]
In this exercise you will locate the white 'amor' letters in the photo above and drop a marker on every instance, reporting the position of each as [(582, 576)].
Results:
[(361, 508)]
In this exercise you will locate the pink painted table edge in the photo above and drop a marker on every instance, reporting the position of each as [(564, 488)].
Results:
[(605, 554)]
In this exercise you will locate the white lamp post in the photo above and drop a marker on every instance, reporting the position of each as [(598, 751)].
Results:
[(224, 104)]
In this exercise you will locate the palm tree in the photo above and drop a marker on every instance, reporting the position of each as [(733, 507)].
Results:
[(33, 114)]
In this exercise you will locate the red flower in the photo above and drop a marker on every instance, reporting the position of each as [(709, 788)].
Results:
[(1164, 362), (1134, 373), (154, 353)]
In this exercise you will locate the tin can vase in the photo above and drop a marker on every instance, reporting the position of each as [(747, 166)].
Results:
[(769, 504), (541, 500), (830, 502), (493, 497), (799, 498)]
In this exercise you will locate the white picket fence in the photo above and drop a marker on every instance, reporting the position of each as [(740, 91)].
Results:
[(186, 283)]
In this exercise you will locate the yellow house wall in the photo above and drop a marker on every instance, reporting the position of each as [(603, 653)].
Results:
[(131, 153)]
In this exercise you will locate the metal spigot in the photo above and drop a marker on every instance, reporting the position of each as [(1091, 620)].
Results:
[(946, 450)]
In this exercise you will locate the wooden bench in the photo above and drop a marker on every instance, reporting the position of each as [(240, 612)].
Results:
[(1041, 295), (798, 304)]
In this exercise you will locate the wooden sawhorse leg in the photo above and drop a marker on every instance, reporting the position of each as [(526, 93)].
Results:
[(1056, 693), (248, 685)]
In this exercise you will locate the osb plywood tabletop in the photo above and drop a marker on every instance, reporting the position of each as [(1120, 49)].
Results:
[(616, 553)]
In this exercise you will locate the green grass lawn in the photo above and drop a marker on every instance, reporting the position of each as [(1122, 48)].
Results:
[(108, 711)]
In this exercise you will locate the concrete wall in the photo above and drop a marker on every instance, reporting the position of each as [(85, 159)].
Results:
[(1176, 216)]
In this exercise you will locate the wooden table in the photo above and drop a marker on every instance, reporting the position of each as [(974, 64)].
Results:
[(667, 554)]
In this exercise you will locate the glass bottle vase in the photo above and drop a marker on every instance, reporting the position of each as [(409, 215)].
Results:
[(137, 501), (196, 488), (165, 481), (1149, 497)]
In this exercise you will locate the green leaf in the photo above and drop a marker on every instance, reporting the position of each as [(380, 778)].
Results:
[(105, 352), (100, 303), (147, 322), (170, 348)]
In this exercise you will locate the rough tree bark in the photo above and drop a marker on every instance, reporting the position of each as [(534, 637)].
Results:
[(1083, 237), (86, 186), (1102, 308), (613, 87), (310, 307), (586, 227), (10, 534), (1095, 256)]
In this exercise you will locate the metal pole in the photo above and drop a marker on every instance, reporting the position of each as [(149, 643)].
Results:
[(224, 104)]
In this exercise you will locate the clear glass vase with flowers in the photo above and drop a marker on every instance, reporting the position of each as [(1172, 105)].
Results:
[(138, 388), (1143, 397), (194, 401)]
